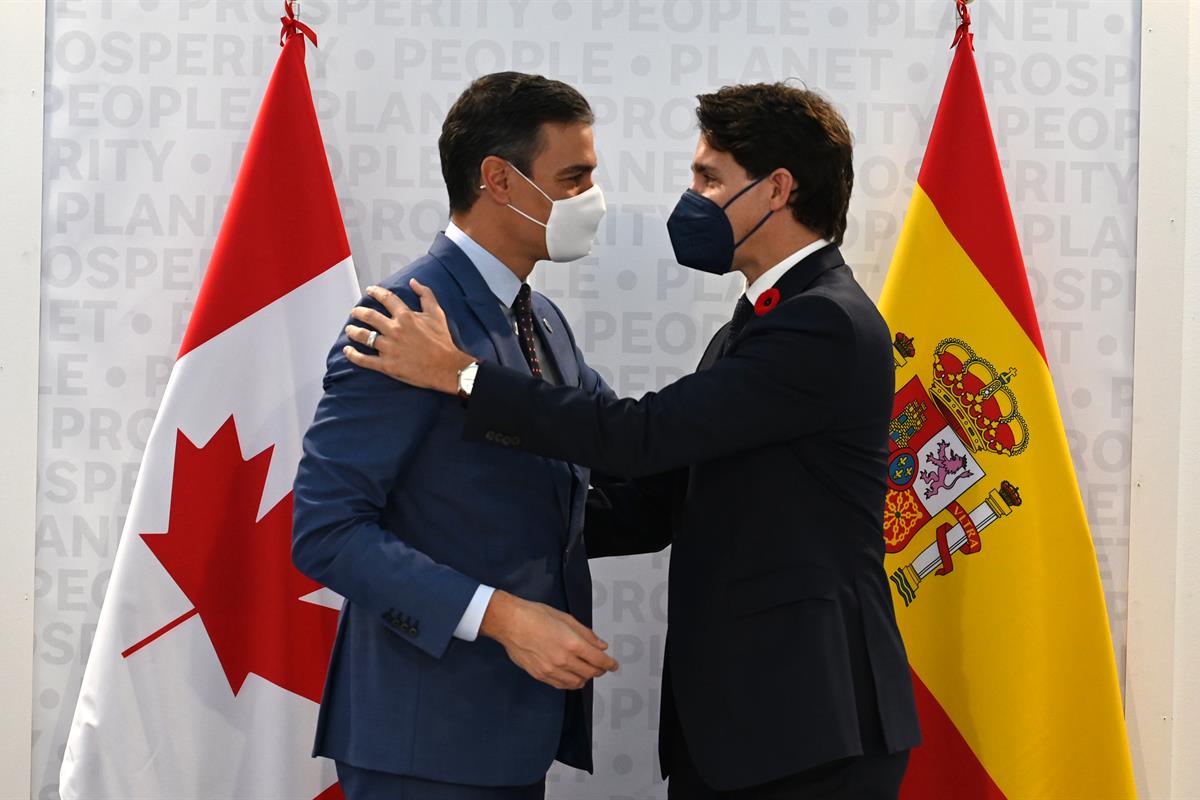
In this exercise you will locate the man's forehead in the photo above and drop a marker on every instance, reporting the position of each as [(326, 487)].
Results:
[(708, 159), (567, 135), (566, 132), (563, 160)]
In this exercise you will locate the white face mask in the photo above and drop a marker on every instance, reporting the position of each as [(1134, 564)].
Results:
[(573, 222)]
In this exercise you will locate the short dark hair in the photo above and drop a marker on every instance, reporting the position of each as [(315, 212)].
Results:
[(502, 115), (765, 126)]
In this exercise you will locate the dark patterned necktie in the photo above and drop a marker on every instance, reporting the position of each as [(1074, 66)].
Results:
[(741, 313), (523, 310)]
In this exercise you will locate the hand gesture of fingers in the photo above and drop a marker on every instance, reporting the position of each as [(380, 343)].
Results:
[(411, 346)]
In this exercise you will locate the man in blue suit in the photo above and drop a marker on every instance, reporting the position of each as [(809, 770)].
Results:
[(464, 651)]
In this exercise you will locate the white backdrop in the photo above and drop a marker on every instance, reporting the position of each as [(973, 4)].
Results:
[(148, 107)]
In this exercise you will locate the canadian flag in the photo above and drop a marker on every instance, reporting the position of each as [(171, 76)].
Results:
[(211, 650)]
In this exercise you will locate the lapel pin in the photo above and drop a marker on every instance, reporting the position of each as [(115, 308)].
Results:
[(767, 301), (546, 322)]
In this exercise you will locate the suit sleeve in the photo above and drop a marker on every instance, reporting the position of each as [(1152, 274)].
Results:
[(780, 382), (362, 442), (623, 517), (630, 517)]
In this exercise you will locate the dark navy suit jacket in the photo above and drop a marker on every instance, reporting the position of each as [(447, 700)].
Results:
[(403, 518), (766, 470)]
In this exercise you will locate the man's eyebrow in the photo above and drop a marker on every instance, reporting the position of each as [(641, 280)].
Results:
[(703, 169), (582, 167)]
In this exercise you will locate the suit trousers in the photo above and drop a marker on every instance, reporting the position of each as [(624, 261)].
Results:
[(868, 777), (368, 784)]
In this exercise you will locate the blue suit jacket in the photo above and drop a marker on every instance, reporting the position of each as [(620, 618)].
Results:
[(403, 518)]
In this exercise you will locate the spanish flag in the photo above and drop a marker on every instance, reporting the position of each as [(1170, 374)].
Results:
[(994, 575)]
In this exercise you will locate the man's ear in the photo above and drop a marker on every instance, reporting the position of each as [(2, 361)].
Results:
[(493, 179), (783, 184)]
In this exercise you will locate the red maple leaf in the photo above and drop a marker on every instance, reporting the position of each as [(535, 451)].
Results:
[(238, 572)]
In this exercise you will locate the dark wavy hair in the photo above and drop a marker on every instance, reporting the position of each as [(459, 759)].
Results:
[(501, 115), (765, 126)]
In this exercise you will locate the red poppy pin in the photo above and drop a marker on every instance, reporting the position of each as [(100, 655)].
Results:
[(766, 301)]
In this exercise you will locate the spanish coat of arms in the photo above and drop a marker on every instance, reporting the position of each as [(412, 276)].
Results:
[(941, 437)]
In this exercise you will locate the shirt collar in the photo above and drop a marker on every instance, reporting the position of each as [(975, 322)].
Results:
[(772, 276), (499, 278)]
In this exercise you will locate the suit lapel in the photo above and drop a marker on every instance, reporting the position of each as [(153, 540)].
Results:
[(483, 304), (558, 347), (486, 307), (715, 346), (558, 343), (797, 280), (504, 338)]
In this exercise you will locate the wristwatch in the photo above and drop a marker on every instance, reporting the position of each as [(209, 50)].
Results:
[(466, 380)]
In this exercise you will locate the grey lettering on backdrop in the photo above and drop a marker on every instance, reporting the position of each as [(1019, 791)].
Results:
[(149, 106)]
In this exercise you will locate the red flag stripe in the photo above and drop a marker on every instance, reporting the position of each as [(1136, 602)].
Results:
[(944, 764), (961, 175), (283, 226), (334, 792)]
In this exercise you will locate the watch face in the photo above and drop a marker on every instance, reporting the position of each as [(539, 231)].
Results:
[(466, 378)]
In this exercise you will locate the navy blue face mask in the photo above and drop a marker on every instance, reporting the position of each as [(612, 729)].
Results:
[(701, 233)]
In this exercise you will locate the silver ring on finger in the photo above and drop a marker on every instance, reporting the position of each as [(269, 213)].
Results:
[(371, 337)]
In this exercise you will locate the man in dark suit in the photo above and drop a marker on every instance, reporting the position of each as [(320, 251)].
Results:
[(785, 673), (464, 652)]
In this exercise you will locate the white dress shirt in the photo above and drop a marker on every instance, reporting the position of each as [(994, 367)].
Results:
[(772, 276)]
